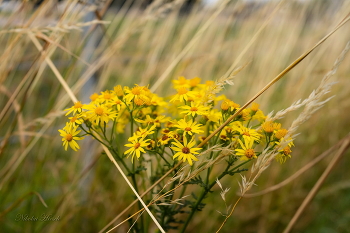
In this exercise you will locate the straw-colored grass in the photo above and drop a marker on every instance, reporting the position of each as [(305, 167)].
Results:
[(49, 59)]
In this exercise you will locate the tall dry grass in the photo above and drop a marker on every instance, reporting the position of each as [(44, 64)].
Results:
[(48, 58)]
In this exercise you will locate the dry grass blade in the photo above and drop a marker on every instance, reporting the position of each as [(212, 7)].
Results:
[(19, 201), (19, 114), (53, 67), (299, 172), (253, 39), (110, 156), (211, 163), (188, 47), (284, 72), (46, 38), (143, 194), (318, 184)]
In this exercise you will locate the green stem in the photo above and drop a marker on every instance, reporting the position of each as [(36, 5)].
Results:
[(93, 136), (207, 189), (133, 177), (112, 131)]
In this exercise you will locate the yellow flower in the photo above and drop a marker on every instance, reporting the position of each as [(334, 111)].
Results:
[(214, 115), (267, 126), (244, 115), (284, 155), (255, 107), (198, 96), (164, 140), (280, 133), (195, 109), (223, 136), (189, 127), (181, 82), (157, 101), (247, 152), (233, 105), (276, 126), (209, 83), (182, 95), (118, 90), (99, 113), (76, 120), (69, 134), (185, 151), (77, 107), (225, 105), (136, 148), (142, 133), (247, 133), (157, 121), (194, 81), (139, 101), (282, 140), (137, 91), (94, 97), (151, 145), (117, 102), (259, 115), (106, 96)]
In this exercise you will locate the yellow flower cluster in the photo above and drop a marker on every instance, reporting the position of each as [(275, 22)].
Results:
[(174, 125)]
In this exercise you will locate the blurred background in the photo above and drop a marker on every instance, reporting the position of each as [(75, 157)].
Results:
[(95, 45)]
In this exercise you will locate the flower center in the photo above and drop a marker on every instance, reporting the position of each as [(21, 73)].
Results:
[(138, 101), (246, 133), (194, 109), (185, 150), (136, 90), (118, 102), (281, 133), (182, 91), (107, 96), (165, 137), (99, 111), (137, 145), (267, 126), (69, 137), (73, 119), (166, 131), (188, 129), (249, 153), (287, 150), (78, 105)]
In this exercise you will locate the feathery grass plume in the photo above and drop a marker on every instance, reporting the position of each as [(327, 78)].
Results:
[(315, 95), (312, 104), (219, 84)]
